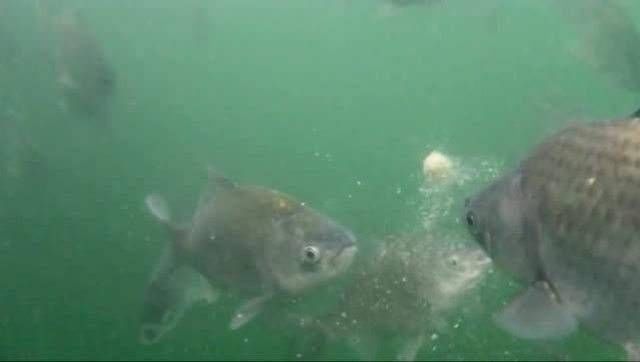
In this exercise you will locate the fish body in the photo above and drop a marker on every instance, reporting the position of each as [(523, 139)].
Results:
[(566, 223), (250, 241), (85, 76), (402, 294)]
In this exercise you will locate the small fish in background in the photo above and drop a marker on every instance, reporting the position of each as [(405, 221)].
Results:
[(21, 161), (250, 241), (394, 7), (565, 224), (410, 288), (86, 78), (609, 40)]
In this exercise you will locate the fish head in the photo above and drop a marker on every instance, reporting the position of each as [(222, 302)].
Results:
[(496, 219), (309, 249)]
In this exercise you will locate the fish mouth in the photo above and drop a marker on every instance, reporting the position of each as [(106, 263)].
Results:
[(345, 255)]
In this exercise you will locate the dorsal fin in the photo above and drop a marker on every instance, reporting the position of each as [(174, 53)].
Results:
[(217, 179)]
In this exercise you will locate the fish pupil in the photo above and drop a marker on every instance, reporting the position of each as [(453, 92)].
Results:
[(311, 254)]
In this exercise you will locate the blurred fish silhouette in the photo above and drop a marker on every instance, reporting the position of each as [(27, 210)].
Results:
[(85, 77), (409, 288), (608, 39)]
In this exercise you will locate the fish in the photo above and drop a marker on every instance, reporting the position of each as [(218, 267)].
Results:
[(609, 40), (564, 223), (23, 164), (86, 78), (248, 241), (408, 289), (391, 7)]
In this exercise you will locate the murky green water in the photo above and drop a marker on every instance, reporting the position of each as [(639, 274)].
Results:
[(327, 100)]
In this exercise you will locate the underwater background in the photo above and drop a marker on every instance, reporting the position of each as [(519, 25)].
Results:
[(328, 100)]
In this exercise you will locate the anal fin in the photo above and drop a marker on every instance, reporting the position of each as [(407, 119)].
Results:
[(172, 290), (249, 310)]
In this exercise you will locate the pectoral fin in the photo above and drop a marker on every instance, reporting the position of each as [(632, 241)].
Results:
[(248, 311), (537, 314)]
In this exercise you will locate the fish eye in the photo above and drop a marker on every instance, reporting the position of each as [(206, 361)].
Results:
[(310, 254), (471, 218)]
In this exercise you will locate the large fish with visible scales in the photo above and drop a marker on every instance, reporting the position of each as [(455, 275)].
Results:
[(566, 224)]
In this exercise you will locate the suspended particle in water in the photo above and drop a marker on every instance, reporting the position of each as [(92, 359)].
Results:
[(437, 166)]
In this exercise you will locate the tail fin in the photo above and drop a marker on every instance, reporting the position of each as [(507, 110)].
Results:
[(636, 114)]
